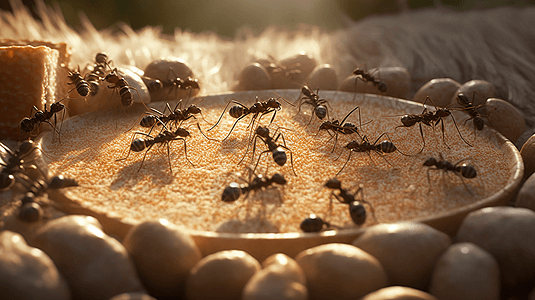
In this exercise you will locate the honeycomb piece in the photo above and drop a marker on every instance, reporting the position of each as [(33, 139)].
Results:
[(27, 78)]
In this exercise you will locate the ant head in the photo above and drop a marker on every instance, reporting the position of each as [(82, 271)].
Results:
[(231, 193), (182, 132), (273, 103), (312, 223), (101, 58), (430, 162), (353, 145), (333, 183), (468, 171), (278, 179), (463, 100), (443, 112), (262, 131), (193, 109)]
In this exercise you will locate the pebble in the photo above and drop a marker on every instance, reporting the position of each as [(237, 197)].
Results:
[(507, 234), (133, 296), (301, 61), (528, 156), (27, 272), (466, 272), (73, 242), (397, 80), (526, 195), (340, 271), (440, 90), (505, 118), (293, 270), (399, 293), (407, 251), (297, 69), (323, 77), (163, 256), (483, 90), (161, 69), (273, 283), (221, 275), (254, 77)]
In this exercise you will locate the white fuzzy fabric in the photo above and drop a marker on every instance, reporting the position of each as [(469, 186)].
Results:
[(497, 45)]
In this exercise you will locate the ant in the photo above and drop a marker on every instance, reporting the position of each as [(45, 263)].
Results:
[(31, 125), (98, 73), (313, 99), (16, 163), (340, 127), (357, 211), (472, 110), (462, 170), (176, 83), (124, 89), (432, 119), (314, 223), (277, 70), (81, 86), (164, 137), (258, 109), (365, 146), (234, 190), (367, 77), (277, 150)]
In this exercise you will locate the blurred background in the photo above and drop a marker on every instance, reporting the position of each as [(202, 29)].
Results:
[(225, 17)]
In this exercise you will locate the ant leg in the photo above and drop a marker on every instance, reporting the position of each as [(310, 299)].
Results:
[(259, 156), (234, 125), (144, 156), (348, 158), (455, 123), (423, 140), (210, 139), (349, 113), (247, 150), (335, 141), (130, 149), (185, 150)]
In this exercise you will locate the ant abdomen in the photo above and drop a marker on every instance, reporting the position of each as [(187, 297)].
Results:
[(148, 121), (278, 179), (236, 111), (387, 147), (231, 193), (467, 171), (312, 223), (357, 212), (279, 156), (321, 112), (138, 145)]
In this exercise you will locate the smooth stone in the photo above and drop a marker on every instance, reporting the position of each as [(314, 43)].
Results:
[(273, 283), (397, 80), (505, 118), (221, 275), (399, 293), (292, 270), (507, 234), (165, 69), (27, 272), (528, 156), (526, 195), (407, 251), (466, 272), (439, 90), (323, 77), (133, 296), (163, 255), (483, 90), (340, 271), (254, 77), (295, 70), (73, 243)]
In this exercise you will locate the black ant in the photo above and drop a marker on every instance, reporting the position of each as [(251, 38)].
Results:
[(461, 170), (314, 223), (365, 146), (98, 73), (31, 125), (313, 99), (124, 89), (176, 83), (277, 150), (164, 137), (367, 77), (258, 109), (357, 212), (234, 190), (472, 110), (279, 71), (14, 164), (432, 119), (340, 127), (81, 86)]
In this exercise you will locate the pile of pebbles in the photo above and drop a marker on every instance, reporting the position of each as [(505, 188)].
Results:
[(492, 256)]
